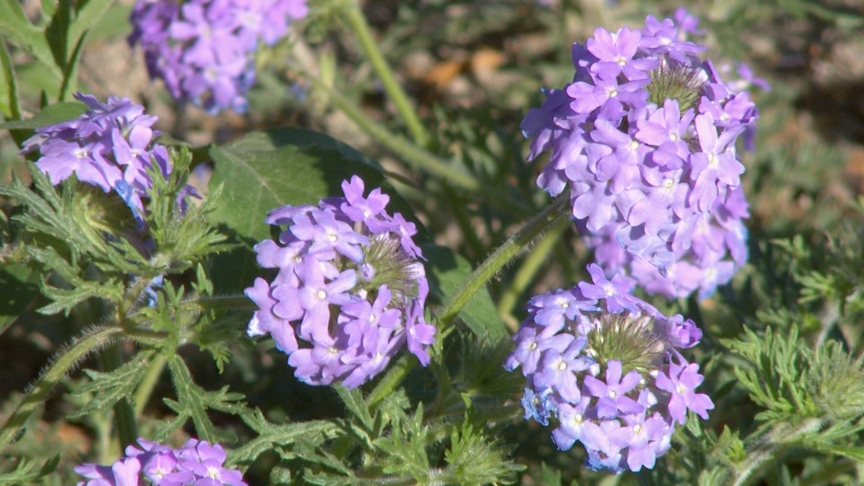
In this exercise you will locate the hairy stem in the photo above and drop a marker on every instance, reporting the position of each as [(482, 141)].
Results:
[(358, 23), (51, 376), (526, 273), (548, 219)]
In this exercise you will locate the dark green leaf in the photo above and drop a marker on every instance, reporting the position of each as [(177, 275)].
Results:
[(263, 171), (57, 33), (259, 176), (446, 272)]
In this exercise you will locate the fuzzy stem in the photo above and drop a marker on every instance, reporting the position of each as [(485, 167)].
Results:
[(391, 380), (358, 23), (218, 302), (526, 273), (51, 376), (548, 219)]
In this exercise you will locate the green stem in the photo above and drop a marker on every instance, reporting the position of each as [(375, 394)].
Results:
[(127, 429), (391, 380), (526, 273), (548, 219), (358, 23), (397, 144), (218, 302), (148, 384), (91, 342)]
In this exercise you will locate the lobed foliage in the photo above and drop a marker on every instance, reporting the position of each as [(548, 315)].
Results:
[(114, 329)]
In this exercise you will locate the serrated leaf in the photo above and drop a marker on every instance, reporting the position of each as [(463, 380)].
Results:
[(446, 272), (355, 405), (109, 388), (272, 435), (24, 472), (193, 402), (52, 114), (854, 453)]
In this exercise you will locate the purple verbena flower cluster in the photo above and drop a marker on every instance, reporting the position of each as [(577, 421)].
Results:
[(604, 367), (197, 463), (110, 146), (350, 290), (644, 141), (203, 49)]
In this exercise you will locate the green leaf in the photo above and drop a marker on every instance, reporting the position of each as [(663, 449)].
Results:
[(263, 171), (57, 33), (272, 435), (259, 175), (15, 24), (51, 115), (193, 402), (24, 472), (8, 85), (108, 388), (446, 272)]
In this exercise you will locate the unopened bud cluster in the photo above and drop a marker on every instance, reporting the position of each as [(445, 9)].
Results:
[(603, 368), (350, 290)]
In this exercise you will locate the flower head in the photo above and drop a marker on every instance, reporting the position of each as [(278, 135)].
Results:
[(644, 141), (203, 49), (197, 462), (609, 376), (110, 146), (349, 292)]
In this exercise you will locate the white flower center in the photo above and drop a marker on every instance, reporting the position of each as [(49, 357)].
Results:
[(322, 294)]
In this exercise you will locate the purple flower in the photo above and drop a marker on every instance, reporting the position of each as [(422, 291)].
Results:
[(682, 379), (644, 141), (350, 291), (203, 50), (610, 372), (611, 395), (110, 146), (197, 462)]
